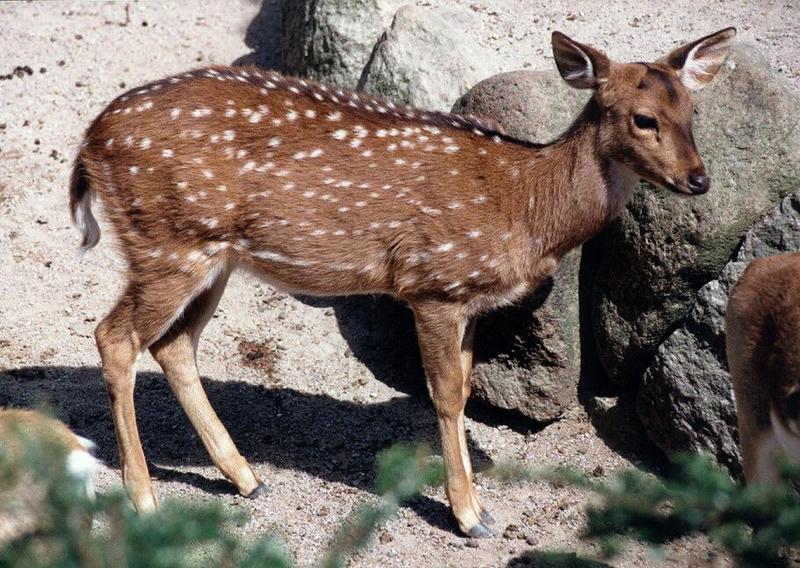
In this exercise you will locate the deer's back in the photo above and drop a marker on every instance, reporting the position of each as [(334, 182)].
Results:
[(282, 172)]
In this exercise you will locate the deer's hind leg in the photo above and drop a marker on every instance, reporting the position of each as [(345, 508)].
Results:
[(176, 352), (442, 330), (151, 303)]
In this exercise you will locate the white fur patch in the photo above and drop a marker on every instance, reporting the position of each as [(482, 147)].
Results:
[(81, 466), (86, 223)]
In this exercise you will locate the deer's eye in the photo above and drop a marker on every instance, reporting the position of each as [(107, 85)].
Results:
[(645, 122)]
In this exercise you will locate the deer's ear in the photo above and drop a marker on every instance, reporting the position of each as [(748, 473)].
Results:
[(581, 66), (698, 61)]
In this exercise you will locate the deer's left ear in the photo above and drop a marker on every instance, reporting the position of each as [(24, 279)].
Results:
[(699, 61)]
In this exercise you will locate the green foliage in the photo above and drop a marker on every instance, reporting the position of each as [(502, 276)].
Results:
[(754, 523), (403, 471), (179, 534)]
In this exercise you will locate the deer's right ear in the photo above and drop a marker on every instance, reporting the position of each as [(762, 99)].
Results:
[(581, 66)]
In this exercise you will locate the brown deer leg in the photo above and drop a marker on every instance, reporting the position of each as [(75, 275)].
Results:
[(467, 343), (142, 315), (176, 352), (440, 331), (119, 347)]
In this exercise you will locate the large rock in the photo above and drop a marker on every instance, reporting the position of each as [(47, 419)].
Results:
[(663, 249), (331, 40), (527, 357), (428, 58), (685, 399)]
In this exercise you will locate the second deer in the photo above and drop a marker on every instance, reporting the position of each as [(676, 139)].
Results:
[(763, 347), (327, 192)]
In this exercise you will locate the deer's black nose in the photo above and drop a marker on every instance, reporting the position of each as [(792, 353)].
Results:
[(699, 183)]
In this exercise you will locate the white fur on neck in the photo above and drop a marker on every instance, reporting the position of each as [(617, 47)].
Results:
[(621, 183)]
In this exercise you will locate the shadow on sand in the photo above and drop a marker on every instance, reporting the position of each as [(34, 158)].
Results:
[(263, 37), (332, 439)]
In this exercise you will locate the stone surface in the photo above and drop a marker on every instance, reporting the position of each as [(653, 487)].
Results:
[(427, 58), (663, 249), (331, 40), (527, 357), (530, 105), (685, 399)]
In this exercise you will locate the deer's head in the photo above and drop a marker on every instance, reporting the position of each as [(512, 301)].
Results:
[(645, 109)]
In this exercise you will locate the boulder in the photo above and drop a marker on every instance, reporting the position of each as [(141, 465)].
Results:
[(685, 400), (527, 357), (663, 249), (530, 105), (331, 40), (428, 58)]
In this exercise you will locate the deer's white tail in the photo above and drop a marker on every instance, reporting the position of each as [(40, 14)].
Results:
[(80, 204)]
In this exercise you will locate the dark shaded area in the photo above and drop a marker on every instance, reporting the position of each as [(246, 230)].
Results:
[(332, 439), (546, 559), (619, 425), (263, 36), (508, 333)]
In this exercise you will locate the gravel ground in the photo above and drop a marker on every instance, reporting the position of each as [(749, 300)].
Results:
[(309, 400)]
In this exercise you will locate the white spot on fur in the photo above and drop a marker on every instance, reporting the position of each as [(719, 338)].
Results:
[(167, 153), (444, 247)]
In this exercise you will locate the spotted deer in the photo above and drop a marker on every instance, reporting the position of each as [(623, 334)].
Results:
[(763, 346), (326, 192)]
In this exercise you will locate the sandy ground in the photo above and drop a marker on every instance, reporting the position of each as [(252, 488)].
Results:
[(302, 385)]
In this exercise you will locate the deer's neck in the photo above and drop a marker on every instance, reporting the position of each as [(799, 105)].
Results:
[(574, 187)]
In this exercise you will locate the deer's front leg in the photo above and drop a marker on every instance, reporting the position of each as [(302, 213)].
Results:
[(440, 332)]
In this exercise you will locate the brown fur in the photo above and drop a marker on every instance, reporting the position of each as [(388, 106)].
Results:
[(327, 192), (763, 341)]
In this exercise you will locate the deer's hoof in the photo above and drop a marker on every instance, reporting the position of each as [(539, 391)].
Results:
[(480, 531), (261, 489), (487, 518)]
